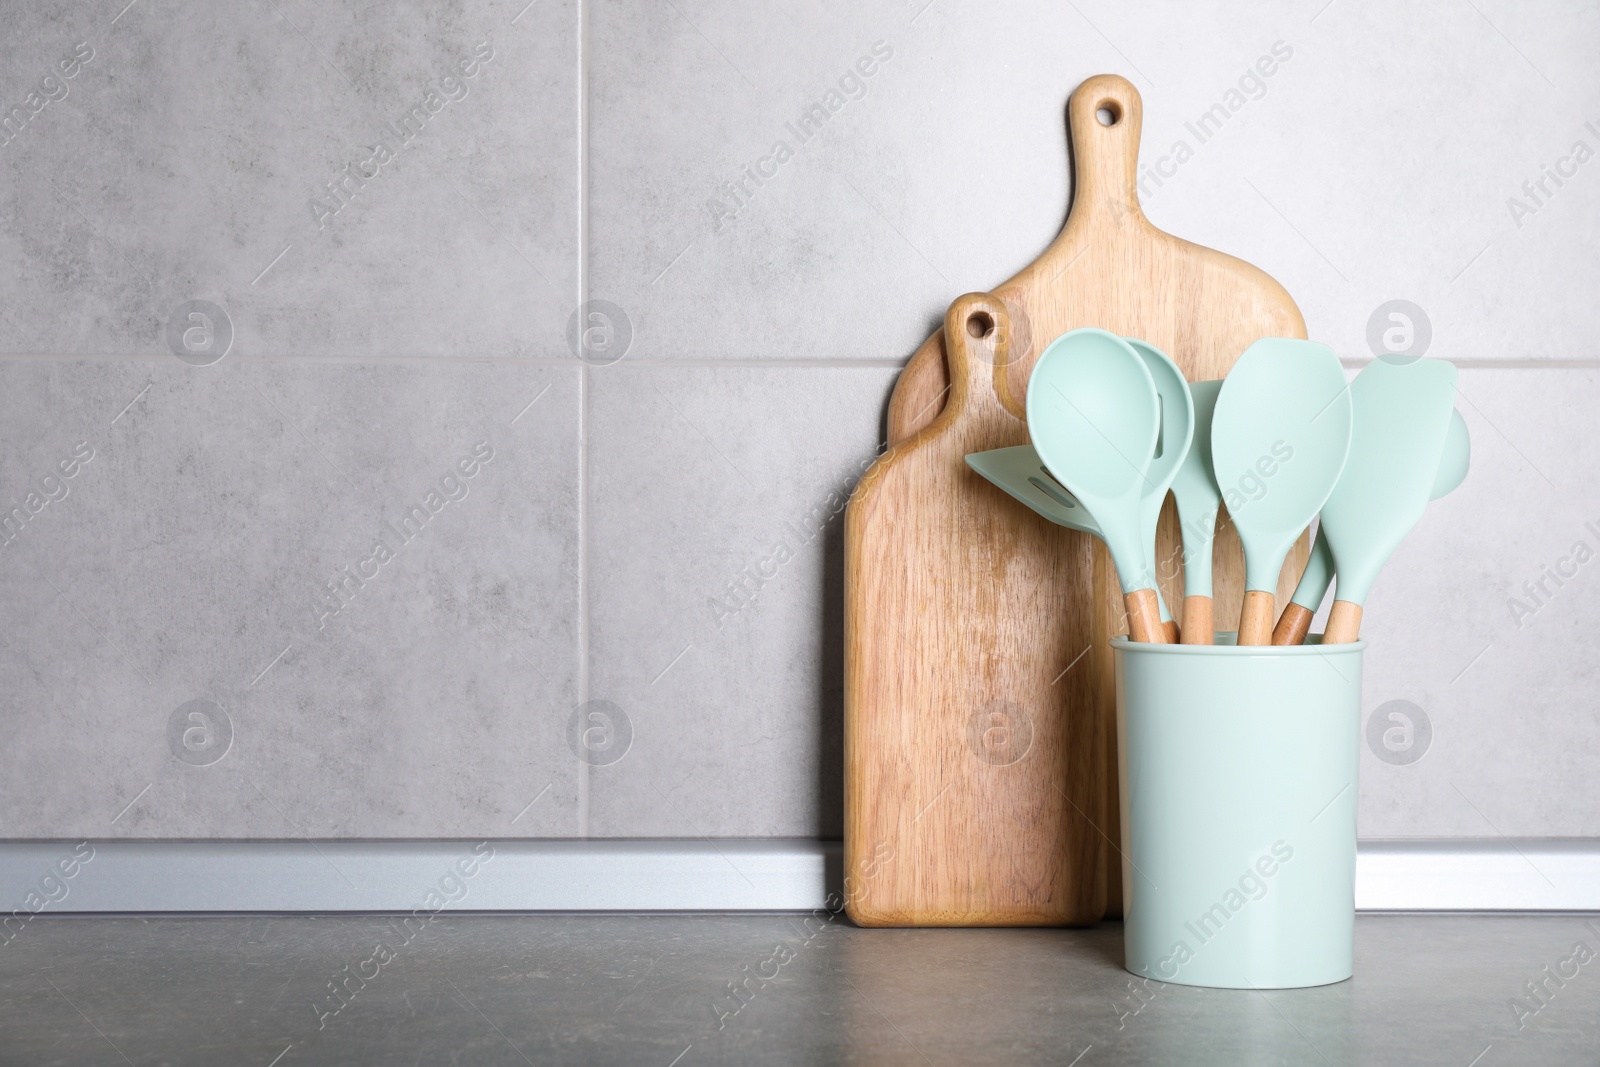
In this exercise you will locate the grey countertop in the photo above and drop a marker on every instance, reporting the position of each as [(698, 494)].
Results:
[(679, 990)]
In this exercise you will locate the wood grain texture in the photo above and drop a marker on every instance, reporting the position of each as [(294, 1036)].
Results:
[(1255, 618), (1197, 614), (1144, 617), (965, 756), (1293, 625), (959, 600), (1344, 623)]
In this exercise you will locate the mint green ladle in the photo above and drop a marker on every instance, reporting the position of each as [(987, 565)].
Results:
[(1172, 448), (1094, 418), (1279, 438), (1295, 622)]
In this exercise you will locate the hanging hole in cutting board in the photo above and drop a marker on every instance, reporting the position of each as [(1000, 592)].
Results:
[(980, 325), (1109, 112)]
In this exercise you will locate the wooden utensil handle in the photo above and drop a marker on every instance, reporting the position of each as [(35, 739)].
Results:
[(1344, 623), (1197, 622), (1293, 625), (1255, 620), (1170, 629), (1144, 617)]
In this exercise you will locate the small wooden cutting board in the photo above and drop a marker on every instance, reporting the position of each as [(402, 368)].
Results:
[(980, 704)]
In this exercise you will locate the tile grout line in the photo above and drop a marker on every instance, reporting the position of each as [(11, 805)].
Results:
[(777, 363), (583, 399)]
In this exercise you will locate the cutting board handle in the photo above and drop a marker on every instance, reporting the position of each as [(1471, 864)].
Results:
[(1106, 150), (977, 339)]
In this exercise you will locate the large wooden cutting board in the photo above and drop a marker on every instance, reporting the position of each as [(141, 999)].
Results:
[(980, 740)]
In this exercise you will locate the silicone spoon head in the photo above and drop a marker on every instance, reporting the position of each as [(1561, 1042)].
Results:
[(1195, 490), (1094, 418), (1020, 472), (1402, 408), (1279, 438), (1173, 442)]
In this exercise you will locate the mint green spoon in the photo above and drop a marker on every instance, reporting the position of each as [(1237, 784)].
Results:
[(1019, 471), (1172, 447), (1402, 408), (1295, 622), (1094, 419), (1279, 438), (1198, 498)]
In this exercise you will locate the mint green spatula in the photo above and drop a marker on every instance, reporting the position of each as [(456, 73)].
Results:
[(1279, 438), (1295, 622), (1021, 473), (1094, 419), (1402, 408)]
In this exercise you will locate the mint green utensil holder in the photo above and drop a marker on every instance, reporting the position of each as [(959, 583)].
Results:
[(1238, 790)]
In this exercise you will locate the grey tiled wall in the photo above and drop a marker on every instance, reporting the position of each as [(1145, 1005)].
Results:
[(203, 637)]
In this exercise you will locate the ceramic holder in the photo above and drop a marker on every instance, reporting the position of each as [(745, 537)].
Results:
[(1238, 794)]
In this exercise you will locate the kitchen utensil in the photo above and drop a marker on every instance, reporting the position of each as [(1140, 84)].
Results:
[(1402, 408), (964, 758), (1195, 491), (1017, 844), (1172, 447), (1295, 622), (1279, 437), (1021, 473), (1094, 416)]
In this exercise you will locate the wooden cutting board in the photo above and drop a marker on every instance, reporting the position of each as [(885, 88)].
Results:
[(980, 705)]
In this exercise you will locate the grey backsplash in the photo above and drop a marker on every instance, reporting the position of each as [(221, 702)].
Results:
[(400, 565)]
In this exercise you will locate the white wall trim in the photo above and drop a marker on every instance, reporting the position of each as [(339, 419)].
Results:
[(721, 875), (1504, 874), (398, 876)]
